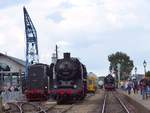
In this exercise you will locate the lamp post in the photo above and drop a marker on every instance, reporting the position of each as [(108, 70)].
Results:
[(135, 69), (144, 64)]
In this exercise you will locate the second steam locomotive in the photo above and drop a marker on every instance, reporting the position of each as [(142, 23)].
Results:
[(69, 79), (37, 82)]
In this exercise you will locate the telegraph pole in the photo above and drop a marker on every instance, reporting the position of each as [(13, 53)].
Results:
[(56, 52), (118, 66)]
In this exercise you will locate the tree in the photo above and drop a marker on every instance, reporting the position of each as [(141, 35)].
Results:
[(124, 60)]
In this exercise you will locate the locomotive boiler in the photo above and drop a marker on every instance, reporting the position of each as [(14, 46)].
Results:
[(69, 79)]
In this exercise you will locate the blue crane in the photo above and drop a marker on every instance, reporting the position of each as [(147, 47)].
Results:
[(32, 56)]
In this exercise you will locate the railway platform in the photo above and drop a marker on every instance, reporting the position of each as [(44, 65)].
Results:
[(138, 98)]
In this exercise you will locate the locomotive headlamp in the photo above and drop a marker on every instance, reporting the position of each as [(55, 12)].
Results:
[(75, 86), (55, 86)]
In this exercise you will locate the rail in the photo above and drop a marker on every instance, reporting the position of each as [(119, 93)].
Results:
[(122, 104), (104, 105), (13, 108), (48, 109), (103, 110), (67, 109), (29, 107), (56, 107)]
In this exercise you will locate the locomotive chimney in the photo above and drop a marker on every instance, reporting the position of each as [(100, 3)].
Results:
[(66, 55), (54, 58)]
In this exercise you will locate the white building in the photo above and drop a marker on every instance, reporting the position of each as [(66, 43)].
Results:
[(10, 68), (138, 77)]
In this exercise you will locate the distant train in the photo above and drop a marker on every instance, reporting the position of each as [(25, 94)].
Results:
[(69, 79), (92, 83), (100, 84), (109, 82), (36, 87)]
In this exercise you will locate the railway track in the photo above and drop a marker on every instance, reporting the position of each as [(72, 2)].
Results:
[(13, 108), (38, 107), (58, 109), (26, 107), (63, 108), (113, 104), (29, 108)]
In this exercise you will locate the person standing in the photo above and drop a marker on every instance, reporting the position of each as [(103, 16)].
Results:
[(141, 86), (135, 86), (144, 87), (129, 87)]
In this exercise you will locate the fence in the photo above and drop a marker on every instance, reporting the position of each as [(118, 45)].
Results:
[(12, 95)]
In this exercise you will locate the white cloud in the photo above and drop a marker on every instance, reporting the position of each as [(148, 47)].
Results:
[(63, 43), (12, 32), (96, 28), (2, 40)]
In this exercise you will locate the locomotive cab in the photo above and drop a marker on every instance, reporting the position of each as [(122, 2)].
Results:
[(37, 82)]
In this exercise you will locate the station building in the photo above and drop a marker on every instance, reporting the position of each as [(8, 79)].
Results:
[(11, 70), (138, 77)]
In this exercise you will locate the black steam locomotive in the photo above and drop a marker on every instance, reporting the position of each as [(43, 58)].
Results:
[(37, 82), (68, 79), (109, 82)]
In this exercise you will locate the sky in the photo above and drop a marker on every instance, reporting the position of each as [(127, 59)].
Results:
[(89, 29)]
